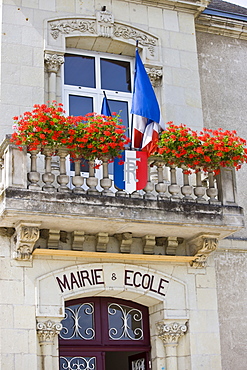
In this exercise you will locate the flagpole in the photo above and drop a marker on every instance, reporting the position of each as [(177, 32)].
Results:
[(132, 116)]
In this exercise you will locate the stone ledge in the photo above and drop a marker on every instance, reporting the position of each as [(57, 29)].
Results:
[(141, 217)]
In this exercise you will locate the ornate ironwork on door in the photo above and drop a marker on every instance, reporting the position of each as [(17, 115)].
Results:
[(78, 363), (125, 323), (78, 322)]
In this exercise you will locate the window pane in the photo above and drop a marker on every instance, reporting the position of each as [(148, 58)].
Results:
[(121, 107), (80, 105), (125, 323), (79, 70), (78, 322), (115, 75)]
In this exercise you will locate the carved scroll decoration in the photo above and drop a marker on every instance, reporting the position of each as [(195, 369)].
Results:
[(53, 62), (204, 246), (70, 26), (24, 241)]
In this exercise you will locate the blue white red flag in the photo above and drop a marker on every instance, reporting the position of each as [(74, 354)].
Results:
[(147, 120), (130, 171), (105, 109)]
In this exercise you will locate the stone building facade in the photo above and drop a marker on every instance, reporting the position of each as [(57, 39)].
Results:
[(92, 278)]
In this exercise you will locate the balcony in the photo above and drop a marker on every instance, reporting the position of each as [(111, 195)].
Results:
[(51, 211)]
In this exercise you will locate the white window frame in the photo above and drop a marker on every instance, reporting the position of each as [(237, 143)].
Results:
[(97, 95)]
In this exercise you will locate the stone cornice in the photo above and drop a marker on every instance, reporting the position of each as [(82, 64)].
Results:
[(222, 26), (195, 6)]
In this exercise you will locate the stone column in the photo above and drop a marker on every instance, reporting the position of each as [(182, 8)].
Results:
[(47, 332), (170, 334), (53, 63)]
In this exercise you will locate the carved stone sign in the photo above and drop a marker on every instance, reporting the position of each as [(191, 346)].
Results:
[(127, 277), (128, 281)]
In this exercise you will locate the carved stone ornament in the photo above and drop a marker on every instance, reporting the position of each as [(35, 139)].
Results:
[(102, 240), (155, 75), (24, 241), (207, 246), (125, 240), (67, 26), (105, 21), (127, 32), (171, 333), (48, 330), (102, 25), (53, 62)]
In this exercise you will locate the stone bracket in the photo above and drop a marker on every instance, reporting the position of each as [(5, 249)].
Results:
[(25, 237), (78, 240), (148, 244), (125, 240), (54, 238), (172, 245), (201, 247), (102, 240)]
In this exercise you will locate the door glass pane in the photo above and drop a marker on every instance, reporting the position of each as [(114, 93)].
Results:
[(115, 75), (138, 364), (124, 323), (121, 107), (79, 70), (78, 322), (78, 363), (80, 105)]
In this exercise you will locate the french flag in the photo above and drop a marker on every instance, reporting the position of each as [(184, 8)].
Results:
[(130, 171), (147, 120)]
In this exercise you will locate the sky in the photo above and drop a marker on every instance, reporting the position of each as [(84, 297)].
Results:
[(238, 2)]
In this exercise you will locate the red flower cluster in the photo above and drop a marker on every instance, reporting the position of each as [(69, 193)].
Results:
[(208, 150), (98, 136), (92, 136), (44, 126)]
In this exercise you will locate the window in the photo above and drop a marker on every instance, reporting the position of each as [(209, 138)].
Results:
[(104, 333), (87, 75)]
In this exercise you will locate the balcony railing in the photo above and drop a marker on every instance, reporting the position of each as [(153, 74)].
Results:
[(48, 173), (176, 214)]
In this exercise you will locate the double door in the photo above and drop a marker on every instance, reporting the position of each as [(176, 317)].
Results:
[(104, 334)]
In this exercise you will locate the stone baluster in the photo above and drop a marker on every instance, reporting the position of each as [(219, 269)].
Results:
[(106, 182), (78, 180), (199, 190), (212, 191), (34, 176), (150, 186), (63, 179), (170, 335), (174, 188), (48, 338), (186, 189), (92, 181), (48, 177), (161, 187)]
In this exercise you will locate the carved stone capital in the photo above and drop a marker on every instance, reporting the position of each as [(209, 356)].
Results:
[(170, 333), (53, 62), (48, 330), (201, 247), (24, 240), (155, 75), (125, 240)]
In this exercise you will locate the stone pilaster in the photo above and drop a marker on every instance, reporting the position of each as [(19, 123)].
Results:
[(53, 63), (170, 335)]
